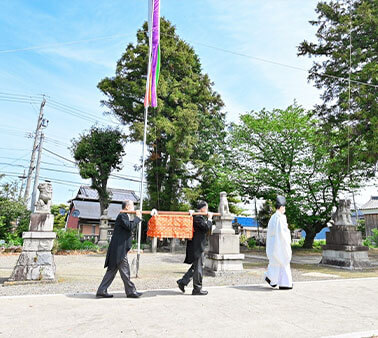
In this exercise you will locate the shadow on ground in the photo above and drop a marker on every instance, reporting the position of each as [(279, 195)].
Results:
[(261, 288), (2, 280), (146, 294)]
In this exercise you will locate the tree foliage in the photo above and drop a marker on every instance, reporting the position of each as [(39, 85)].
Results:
[(284, 152), (265, 213), (338, 23), (59, 219), (14, 216), (184, 127), (97, 154)]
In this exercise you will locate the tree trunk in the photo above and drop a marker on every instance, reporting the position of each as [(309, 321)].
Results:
[(309, 240)]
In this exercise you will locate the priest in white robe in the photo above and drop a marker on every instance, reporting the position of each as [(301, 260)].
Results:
[(278, 248)]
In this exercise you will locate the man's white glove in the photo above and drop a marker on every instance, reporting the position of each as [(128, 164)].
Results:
[(210, 216), (213, 228), (154, 212), (191, 212)]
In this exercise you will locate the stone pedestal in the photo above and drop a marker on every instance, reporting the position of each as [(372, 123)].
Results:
[(224, 255), (104, 227), (36, 262), (344, 247)]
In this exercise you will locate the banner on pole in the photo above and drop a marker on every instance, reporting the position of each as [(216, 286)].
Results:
[(153, 70)]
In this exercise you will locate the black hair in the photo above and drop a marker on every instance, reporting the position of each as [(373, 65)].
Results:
[(201, 204), (125, 203)]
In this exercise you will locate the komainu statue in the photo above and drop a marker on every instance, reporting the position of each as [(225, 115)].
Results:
[(44, 201)]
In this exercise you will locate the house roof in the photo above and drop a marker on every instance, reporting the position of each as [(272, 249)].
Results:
[(117, 195), (371, 204), (91, 209), (246, 221)]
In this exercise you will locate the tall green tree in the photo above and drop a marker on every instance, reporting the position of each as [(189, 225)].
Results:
[(184, 127), (14, 216), (283, 152), (338, 24), (97, 154)]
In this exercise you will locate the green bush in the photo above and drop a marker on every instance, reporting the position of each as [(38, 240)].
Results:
[(13, 240), (372, 241), (88, 245), (318, 243), (243, 239), (298, 244), (251, 243), (68, 240), (71, 240)]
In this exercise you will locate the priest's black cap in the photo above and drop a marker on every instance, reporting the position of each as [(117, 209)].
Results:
[(280, 201)]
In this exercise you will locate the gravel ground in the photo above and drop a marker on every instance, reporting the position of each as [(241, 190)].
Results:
[(83, 273)]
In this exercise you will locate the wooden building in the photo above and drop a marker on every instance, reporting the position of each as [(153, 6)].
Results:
[(370, 211), (84, 213)]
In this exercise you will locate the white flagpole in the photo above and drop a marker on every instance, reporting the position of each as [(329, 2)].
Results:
[(142, 186)]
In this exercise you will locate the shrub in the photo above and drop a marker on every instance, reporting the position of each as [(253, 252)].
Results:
[(13, 240), (71, 240), (243, 239), (251, 243), (372, 241), (318, 243), (88, 245), (68, 240), (298, 244)]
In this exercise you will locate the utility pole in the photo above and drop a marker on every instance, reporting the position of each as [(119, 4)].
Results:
[(22, 184), (32, 159), (38, 167)]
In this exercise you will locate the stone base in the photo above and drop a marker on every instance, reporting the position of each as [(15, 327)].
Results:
[(38, 241), (34, 266), (352, 260), (223, 264), (224, 243)]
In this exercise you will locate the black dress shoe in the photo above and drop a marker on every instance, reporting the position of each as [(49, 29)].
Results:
[(285, 287), (103, 295), (181, 286), (139, 293), (133, 295), (199, 292), (268, 281)]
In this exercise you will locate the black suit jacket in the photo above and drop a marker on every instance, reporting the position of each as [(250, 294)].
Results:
[(196, 246), (121, 241)]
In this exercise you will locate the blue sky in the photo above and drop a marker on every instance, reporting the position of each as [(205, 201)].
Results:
[(68, 73)]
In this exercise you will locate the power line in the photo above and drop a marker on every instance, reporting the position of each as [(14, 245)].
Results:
[(61, 44), (224, 50), (124, 177)]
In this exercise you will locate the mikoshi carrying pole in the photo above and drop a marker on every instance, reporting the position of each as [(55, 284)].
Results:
[(151, 86)]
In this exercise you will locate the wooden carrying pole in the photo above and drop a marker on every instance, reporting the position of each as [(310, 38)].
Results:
[(173, 213)]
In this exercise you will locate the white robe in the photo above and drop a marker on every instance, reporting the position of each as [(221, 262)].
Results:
[(278, 250)]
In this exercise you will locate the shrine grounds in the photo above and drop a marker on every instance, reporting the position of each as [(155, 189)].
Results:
[(324, 301)]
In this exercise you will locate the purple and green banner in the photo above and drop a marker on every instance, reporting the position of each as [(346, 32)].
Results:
[(154, 53)]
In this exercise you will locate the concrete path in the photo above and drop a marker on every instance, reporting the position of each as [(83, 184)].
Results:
[(311, 309)]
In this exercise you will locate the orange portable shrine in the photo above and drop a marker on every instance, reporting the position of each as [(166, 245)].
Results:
[(170, 226)]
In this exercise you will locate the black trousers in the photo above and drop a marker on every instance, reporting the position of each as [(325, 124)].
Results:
[(195, 272), (124, 270)]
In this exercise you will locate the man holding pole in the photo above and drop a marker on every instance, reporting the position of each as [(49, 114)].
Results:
[(195, 249), (116, 257)]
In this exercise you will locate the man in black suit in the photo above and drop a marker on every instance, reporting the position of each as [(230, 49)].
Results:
[(195, 249), (116, 257)]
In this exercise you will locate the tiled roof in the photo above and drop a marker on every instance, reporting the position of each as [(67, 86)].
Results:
[(371, 204), (91, 209), (117, 195)]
